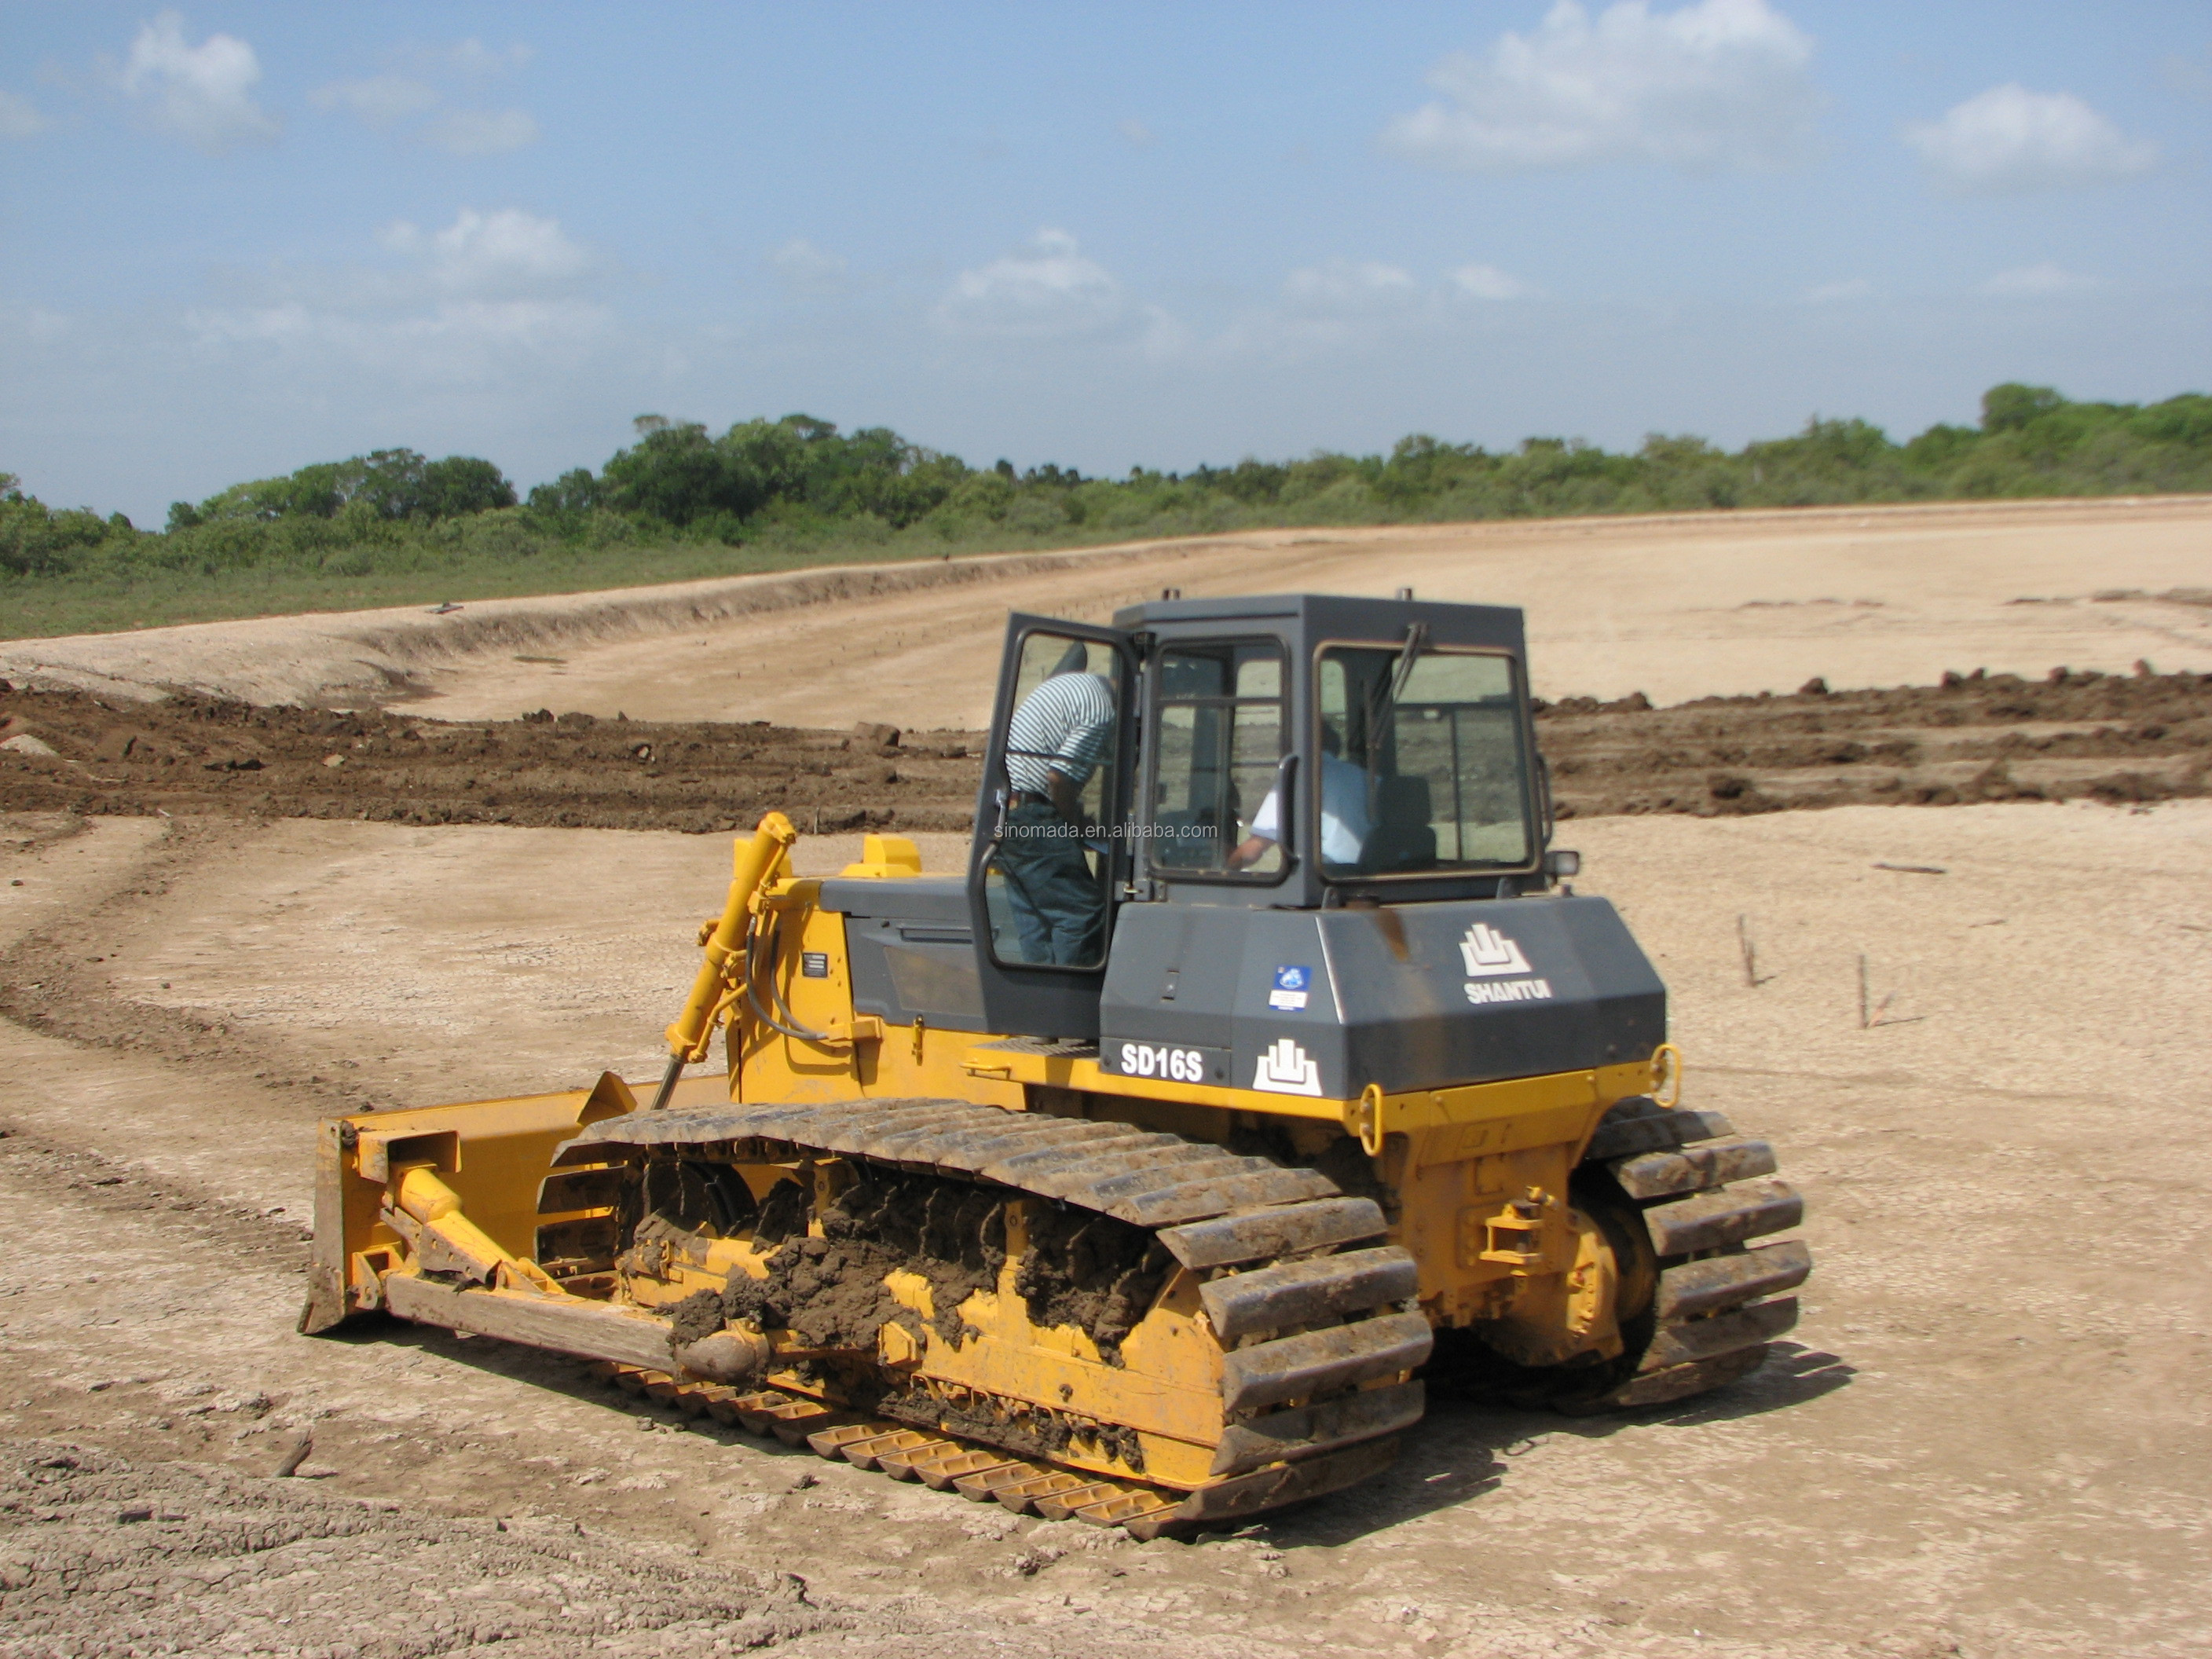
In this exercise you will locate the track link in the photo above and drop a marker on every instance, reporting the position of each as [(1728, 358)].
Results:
[(986, 1473), (1312, 1312), (1717, 1302)]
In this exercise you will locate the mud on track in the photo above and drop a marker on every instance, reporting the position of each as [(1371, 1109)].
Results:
[(2112, 737)]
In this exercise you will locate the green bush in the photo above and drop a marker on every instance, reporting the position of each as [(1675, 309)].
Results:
[(680, 501)]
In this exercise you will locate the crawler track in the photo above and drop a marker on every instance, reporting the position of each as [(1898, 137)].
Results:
[(1716, 1300), (1308, 1317), (988, 1473)]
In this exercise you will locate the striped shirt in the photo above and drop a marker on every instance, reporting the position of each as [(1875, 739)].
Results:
[(1065, 725)]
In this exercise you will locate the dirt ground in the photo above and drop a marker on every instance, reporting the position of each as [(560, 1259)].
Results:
[(1677, 606), (1974, 1032), (1988, 1437), (2114, 738)]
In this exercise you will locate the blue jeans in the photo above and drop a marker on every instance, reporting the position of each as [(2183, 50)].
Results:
[(1057, 904)]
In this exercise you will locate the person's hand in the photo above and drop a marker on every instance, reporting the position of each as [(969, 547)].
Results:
[(1066, 796), (1247, 852)]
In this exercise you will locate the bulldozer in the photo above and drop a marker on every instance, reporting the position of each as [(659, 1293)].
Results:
[(1261, 1071)]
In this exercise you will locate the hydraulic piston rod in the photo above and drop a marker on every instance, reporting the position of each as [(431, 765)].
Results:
[(757, 856)]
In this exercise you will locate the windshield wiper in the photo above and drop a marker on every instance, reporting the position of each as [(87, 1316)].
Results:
[(1386, 694)]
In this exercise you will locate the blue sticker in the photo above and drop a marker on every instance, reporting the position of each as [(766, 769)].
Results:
[(1291, 982), (1288, 978)]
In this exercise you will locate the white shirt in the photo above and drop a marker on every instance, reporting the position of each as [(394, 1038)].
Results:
[(1343, 812), (1064, 726)]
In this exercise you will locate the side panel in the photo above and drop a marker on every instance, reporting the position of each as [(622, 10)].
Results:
[(1407, 997), (855, 956), (912, 946)]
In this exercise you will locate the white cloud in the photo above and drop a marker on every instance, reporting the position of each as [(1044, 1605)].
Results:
[(806, 268), (1345, 286), (1051, 287), (1850, 288), (1719, 83), (463, 344), (471, 57), (507, 254), (19, 117), (1489, 283), (412, 100), (1352, 305), (2038, 281), (382, 102), (480, 132), (202, 95), (494, 298), (2011, 139)]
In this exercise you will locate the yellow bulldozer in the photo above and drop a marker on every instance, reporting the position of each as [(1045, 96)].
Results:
[(1261, 1068)]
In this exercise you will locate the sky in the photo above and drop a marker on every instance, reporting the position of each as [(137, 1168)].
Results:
[(235, 239)]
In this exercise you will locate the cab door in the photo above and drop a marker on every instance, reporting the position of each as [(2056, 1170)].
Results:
[(1051, 854)]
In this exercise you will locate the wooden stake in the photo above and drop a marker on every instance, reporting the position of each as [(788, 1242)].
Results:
[(1750, 952)]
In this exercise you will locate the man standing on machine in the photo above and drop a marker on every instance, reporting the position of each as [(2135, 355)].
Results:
[(1057, 739)]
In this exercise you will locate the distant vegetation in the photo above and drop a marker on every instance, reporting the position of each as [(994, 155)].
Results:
[(393, 527)]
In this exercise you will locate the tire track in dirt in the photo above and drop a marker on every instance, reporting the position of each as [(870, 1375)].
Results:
[(48, 984)]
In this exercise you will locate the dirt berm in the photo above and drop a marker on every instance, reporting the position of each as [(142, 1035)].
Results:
[(2113, 737)]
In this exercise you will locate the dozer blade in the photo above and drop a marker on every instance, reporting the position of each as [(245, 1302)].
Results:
[(492, 1156)]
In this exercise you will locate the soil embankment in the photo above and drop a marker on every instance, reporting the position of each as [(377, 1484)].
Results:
[(1678, 606), (2113, 737)]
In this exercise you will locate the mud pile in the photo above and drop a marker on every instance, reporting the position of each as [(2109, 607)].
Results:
[(1974, 738), (66, 750), (2115, 737)]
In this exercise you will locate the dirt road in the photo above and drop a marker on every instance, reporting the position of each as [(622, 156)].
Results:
[(1989, 1437), (1678, 606)]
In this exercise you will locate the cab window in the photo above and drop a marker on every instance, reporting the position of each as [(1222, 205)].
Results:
[(1218, 741), (1432, 775)]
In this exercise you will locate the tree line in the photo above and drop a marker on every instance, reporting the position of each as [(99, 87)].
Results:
[(799, 484)]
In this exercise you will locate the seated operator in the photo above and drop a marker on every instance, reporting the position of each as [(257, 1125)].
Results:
[(1055, 740), (1344, 823)]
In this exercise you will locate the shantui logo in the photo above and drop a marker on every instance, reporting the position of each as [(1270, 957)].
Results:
[(1489, 954), (1287, 1069)]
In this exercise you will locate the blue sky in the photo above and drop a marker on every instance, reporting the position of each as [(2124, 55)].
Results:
[(238, 238)]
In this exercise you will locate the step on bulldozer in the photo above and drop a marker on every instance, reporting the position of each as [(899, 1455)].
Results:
[(1262, 1069)]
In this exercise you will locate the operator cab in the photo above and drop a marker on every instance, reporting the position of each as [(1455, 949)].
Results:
[(1288, 845), (1296, 752)]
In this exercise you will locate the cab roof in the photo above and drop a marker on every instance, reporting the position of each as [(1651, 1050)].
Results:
[(1318, 618)]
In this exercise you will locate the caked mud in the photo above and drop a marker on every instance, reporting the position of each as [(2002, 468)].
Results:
[(1080, 1268)]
